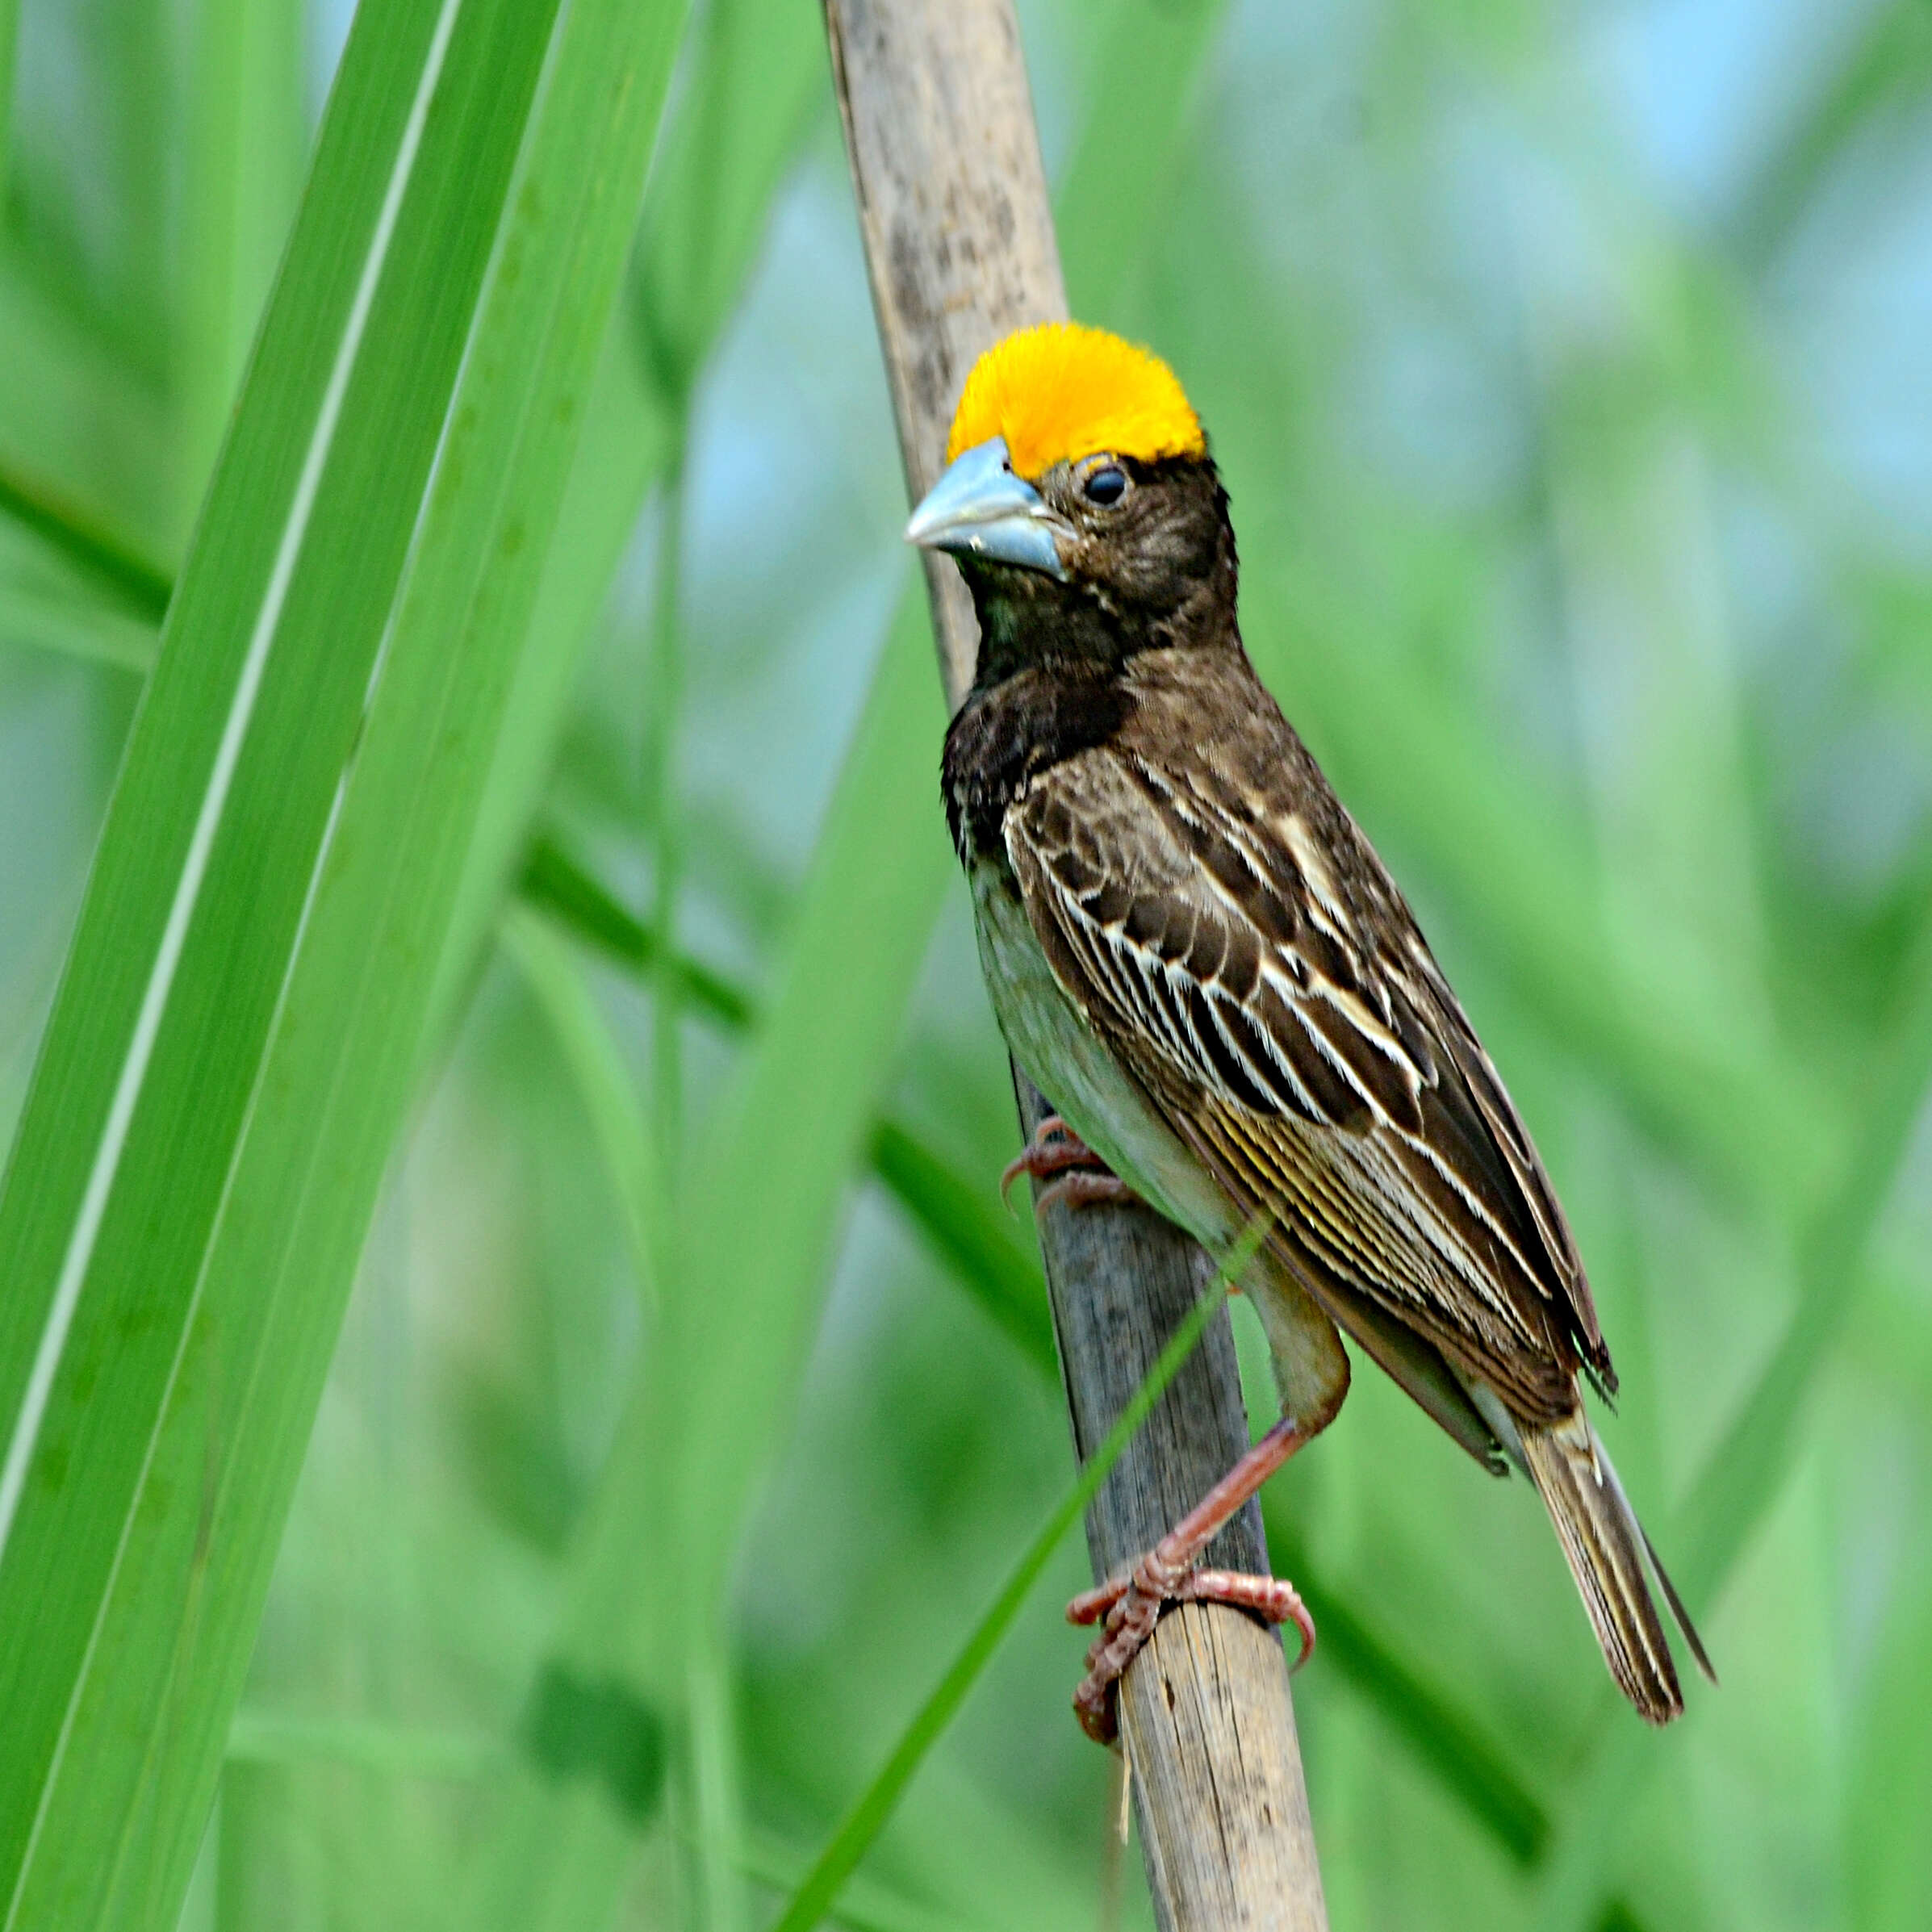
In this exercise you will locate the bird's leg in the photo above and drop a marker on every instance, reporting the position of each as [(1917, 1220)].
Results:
[(1082, 1178), (1130, 1605)]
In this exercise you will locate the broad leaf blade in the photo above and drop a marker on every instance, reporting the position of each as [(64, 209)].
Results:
[(712, 184), (199, 883), (231, 1052)]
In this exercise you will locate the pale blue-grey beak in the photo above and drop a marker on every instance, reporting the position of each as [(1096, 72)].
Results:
[(980, 508)]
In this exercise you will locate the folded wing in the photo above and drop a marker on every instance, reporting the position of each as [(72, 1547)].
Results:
[(1229, 933)]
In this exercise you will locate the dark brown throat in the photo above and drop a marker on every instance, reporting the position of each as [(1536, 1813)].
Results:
[(1005, 734), (1165, 573)]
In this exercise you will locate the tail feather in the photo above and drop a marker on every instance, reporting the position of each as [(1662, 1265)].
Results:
[(1686, 1628), (1608, 1550)]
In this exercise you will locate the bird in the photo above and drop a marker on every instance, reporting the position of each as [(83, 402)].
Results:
[(1197, 957)]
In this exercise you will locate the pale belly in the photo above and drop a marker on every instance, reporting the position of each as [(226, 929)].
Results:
[(1078, 1075)]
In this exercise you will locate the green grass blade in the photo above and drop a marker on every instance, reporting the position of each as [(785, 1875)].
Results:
[(1746, 1471), (864, 1908), (797, 1121), (246, 142), (956, 1218), (760, 76), (555, 882), (99, 556), (1889, 58), (747, 1265), (623, 448), (1889, 1853), (596, 1065), (10, 36), (973, 1238), (1111, 200), (230, 1052), (120, 1035), (661, 700), (80, 628), (1745, 1474), (1447, 1739), (64, 375), (868, 1818), (751, 61), (259, 1736)]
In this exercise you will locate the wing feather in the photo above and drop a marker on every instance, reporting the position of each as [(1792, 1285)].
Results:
[(1222, 924)]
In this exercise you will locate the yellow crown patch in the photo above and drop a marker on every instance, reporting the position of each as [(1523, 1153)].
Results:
[(1060, 391)]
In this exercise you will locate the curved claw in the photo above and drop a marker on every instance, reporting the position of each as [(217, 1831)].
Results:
[(1273, 1598), (1020, 1163), (1056, 1149)]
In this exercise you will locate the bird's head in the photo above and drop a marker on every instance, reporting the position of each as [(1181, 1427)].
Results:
[(1081, 503)]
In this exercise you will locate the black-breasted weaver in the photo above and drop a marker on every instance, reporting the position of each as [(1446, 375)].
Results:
[(1197, 957)]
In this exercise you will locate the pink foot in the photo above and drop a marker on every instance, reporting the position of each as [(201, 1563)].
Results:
[(1082, 1179), (1128, 1607)]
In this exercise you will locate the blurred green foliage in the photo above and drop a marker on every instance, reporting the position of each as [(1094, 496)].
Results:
[(695, 1398)]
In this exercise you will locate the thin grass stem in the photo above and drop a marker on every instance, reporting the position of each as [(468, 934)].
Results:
[(663, 699)]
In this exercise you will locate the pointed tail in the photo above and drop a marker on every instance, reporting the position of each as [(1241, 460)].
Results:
[(1609, 1553)]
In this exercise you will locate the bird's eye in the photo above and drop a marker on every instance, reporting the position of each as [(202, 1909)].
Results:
[(1106, 486)]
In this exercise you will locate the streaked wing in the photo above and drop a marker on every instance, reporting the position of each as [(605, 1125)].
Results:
[(1229, 933)]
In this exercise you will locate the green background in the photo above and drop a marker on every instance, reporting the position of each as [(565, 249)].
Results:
[(553, 1392)]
